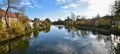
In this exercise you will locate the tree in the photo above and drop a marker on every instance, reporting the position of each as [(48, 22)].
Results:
[(23, 19), (10, 5), (98, 16), (0, 22), (115, 12), (78, 17), (68, 17), (59, 20), (48, 20), (73, 16), (117, 7)]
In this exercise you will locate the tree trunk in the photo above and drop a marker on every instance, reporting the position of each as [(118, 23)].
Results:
[(6, 16)]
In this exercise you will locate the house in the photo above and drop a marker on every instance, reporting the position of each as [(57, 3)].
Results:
[(11, 16), (30, 22)]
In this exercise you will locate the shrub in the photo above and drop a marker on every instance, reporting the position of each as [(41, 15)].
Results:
[(17, 27)]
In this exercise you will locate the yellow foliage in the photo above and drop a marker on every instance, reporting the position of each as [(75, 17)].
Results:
[(16, 26), (118, 26), (3, 33)]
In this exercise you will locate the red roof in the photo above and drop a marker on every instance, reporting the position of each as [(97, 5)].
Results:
[(10, 14)]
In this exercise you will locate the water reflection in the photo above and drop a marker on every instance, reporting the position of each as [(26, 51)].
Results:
[(19, 43), (47, 29), (35, 33), (63, 40)]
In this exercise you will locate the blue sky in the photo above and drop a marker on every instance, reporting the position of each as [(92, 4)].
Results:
[(55, 9)]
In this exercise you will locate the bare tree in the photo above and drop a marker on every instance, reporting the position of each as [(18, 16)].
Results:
[(78, 17), (10, 5), (115, 8), (115, 12), (73, 16)]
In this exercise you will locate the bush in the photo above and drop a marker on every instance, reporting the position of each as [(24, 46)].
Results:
[(35, 26), (17, 27)]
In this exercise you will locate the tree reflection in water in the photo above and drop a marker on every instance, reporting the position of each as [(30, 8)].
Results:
[(18, 43), (112, 41), (83, 42)]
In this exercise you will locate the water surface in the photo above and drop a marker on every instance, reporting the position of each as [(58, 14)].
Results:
[(60, 39)]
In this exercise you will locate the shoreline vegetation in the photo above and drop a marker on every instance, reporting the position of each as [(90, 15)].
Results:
[(102, 24), (19, 28)]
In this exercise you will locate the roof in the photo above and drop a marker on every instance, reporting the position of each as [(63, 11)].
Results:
[(29, 20), (10, 14)]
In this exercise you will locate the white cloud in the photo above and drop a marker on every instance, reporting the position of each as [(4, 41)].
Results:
[(30, 6), (25, 3), (37, 6), (61, 1), (65, 49), (101, 7), (71, 5), (92, 8), (31, 3), (75, 5)]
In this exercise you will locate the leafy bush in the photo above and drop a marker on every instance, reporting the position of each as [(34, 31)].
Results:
[(35, 26), (16, 26)]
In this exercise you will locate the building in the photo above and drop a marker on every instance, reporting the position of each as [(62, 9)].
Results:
[(11, 16), (30, 23)]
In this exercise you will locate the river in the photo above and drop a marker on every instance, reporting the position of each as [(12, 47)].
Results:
[(59, 39)]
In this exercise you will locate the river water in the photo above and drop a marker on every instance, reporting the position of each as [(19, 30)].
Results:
[(60, 39)]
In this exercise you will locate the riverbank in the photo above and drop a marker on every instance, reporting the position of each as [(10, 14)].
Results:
[(100, 30), (34, 30), (21, 30), (13, 36)]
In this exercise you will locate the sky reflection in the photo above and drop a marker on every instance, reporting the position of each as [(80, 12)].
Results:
[(65, 43)]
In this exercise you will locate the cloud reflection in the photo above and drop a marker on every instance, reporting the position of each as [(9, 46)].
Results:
[(58, 49), (89, 44), (65, 49)]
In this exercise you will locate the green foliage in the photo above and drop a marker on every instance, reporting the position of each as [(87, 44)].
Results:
[(59, 22), (118, 17), (35, 26), (28, 28), (23, 19), (117, 7), (98, 22), (47, 29), (118, 26), (47, 20), (25, 23), (116, 14)]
